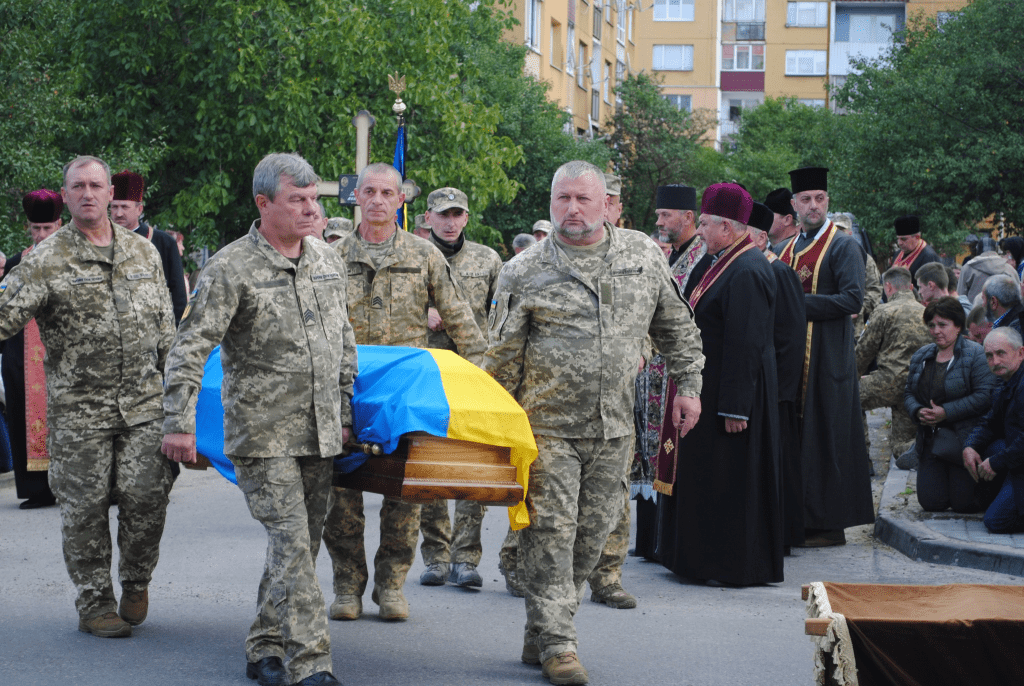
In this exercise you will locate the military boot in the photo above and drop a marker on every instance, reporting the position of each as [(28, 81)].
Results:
[(393, 606), (107, 625), (564, 668), (134, 606)]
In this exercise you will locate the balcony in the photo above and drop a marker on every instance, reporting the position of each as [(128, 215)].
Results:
[(840, 55), (750, 31)]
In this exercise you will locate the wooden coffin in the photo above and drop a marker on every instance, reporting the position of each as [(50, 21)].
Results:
[(426, 467)]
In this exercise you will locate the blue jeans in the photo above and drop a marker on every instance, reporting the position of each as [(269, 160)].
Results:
[(1002, 516)]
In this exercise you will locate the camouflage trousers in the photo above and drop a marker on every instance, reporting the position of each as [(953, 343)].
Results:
[(440, 543), (878, 390), (575, 498), (343, 534), (288, 496), (87, 469)]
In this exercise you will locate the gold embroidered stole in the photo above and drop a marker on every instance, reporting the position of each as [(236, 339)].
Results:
[(807, 264), (906, 260), (35, 397), (740, 246)]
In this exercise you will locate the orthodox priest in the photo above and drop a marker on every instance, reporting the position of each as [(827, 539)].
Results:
[(723, 521), (914, 250), (830, 265), (790, 328), (676, 207)]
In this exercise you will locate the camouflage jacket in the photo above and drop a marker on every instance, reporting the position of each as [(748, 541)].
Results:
[(894, 333), (389, 306), (287, 350), (475, 268), (872, 289), (568, 350), (106, 326)]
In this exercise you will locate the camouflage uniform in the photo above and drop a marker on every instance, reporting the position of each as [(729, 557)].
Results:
[(476, 268), (894, 333), (388, 306), (566, 342), (289, 361), (107, 326), (872, 295)]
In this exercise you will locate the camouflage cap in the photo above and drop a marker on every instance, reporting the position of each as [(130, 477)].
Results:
[(613, 184), (843, 221), (338, 226), (447, 198), (421, 222), (543, 225)]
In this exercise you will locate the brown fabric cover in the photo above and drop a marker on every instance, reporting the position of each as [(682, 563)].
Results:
[(934, 635)]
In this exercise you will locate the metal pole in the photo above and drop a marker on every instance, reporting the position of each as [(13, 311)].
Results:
[(364, 123)]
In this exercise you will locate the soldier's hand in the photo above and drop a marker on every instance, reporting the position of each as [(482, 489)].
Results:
[(434, 321), (346, 433), (685, 413), (179, 447)]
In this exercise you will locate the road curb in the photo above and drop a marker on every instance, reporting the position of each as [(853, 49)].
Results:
[(918, 542)]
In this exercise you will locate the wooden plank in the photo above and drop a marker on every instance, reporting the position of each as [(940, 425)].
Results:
[(805, 591), (464, 471), (816, 626), (201, 463)]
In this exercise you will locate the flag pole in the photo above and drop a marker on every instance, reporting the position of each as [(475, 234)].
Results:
[(397, 85)]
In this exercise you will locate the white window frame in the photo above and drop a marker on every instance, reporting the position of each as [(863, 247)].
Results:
[(532, 23), (581, 66), (812, 102), (795, 9), (620, 26), (570, 50), (743, 47), (685, 57), (629, 17), (684, 10), (678, 101), (757, 7), (606, 83), (794, 58)]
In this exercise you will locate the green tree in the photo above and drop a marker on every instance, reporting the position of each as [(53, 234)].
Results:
[(225, 82), (775, 137), (653, 144), (936, 127), (538, 125)]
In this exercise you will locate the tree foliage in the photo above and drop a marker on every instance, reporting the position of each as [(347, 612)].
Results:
[(777, 136), (935, 127), (653, 144), (194, 92)]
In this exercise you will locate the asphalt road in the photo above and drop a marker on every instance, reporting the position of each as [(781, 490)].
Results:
[(203, 597)]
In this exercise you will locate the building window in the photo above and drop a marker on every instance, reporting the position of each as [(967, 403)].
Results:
[(532, 24), (606, 82), (555, 56), (620, 25), (812, 102), (807, 14), (673, 10), (742, 57), (570, 48), (805, 62), (866, 28), (744, 10), (608, 11), (620, 75), (681, 102), (581, 66), (597, 21), (595, 104), (629, 24), (673, 57)]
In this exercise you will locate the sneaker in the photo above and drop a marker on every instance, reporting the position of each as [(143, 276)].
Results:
[(614, 595), (346, 607), (107, 625), (564, 668), (512, 582), (134, 606), (393, 606), (434, 574), (531, 654), (464, 574)]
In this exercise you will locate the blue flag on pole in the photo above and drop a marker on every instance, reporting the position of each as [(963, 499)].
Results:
[(399, 164)]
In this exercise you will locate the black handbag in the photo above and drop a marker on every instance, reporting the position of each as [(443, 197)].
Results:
[(946, 446)]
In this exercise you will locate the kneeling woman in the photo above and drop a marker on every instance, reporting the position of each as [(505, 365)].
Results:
[(948, 393)]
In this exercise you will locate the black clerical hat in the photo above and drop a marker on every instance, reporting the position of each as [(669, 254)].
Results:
[(676, 197), (907, 226), (780, 201), (809, 179), (761, 217)]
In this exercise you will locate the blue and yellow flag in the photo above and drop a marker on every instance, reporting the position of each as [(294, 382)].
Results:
[(399, 164), (398, 391)]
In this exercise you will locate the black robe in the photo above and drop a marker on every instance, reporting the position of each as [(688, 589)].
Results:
[(790, 332), (724, 520), (837, 483), (173, 271), (27, 484), (927, 255)]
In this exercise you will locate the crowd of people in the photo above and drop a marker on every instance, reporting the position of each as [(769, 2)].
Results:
[(717, 371)]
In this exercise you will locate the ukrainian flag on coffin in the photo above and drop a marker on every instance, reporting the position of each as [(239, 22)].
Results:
[(400, 390)]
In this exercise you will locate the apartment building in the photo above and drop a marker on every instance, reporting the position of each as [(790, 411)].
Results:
[(582, 48), (727, 55)]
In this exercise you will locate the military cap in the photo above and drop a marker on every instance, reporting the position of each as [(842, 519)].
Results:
[(421, 222), (613, 184), (843, 221), (542, 225), (338, 226), (809, 179), (523, 240), (727, 200), (780, 201), (447, 198), (907, 225), (761, 217), (676, 197), (42, 206), (128, 186)]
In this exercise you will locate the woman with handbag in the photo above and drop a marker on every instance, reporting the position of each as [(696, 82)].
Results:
[(948, 393)]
